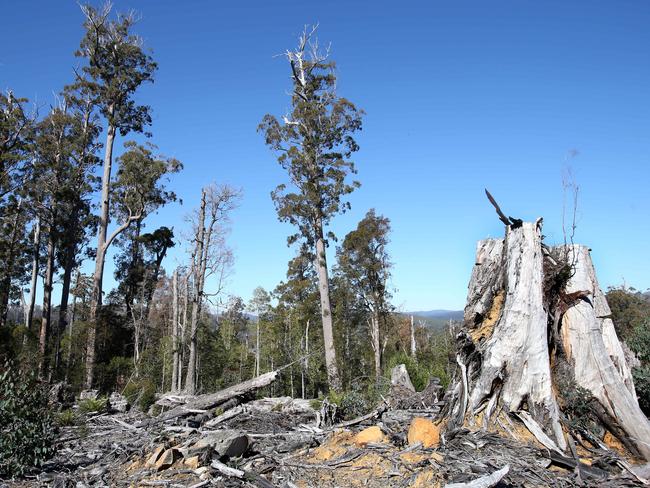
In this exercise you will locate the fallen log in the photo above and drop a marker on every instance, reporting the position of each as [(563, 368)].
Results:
[(213, 400)]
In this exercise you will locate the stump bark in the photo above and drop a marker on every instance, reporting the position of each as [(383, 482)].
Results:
[(528, 308)]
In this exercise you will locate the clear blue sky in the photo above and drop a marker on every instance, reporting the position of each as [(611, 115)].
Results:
[(459, 96)]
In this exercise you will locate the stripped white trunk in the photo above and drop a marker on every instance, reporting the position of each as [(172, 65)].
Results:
[(376, 346), (175, 327), (591, 346), (515, 369), (333, 378), (413, 351)]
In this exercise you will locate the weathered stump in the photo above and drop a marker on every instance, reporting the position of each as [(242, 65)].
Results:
[(520, 321)]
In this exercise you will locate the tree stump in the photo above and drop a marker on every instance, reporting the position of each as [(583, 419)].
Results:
[(529, 308)]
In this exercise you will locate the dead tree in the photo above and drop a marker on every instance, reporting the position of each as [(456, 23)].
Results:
[(210, 256), (529, 309)]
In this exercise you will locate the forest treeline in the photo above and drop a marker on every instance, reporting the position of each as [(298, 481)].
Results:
[(66, 201)]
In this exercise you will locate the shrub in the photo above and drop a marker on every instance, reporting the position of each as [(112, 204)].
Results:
[(642, 384), (66, 418), (419, 371), (91, 405), (27, 430), (141, 393)]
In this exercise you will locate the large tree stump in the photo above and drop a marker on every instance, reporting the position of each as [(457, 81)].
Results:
[(516, 327)]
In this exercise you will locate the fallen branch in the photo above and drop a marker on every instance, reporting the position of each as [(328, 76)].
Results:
[(484, 481)]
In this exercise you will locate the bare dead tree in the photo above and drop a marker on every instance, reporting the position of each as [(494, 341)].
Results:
[(210, 258)]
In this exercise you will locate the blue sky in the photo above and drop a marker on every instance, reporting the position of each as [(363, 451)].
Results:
[(459, 96)]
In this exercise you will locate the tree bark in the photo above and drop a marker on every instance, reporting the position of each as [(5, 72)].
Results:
[(508, 363), (599, 364), (518, 327), (305, 361), (96, 297), (333, 377), (376, 345), (73, 310), (212, 400), (47, 300), (29, 316)]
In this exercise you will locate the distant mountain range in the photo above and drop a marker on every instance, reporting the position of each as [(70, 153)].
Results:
[(436, 319), (439, 314)]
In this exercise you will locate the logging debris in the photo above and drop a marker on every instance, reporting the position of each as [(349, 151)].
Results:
[(285, 442)]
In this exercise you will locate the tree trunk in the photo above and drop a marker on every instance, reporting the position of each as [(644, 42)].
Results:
[(305, 361), (73, 310), (333, 378), (412, 330), (5, 285), (29, 319), (257, 347), (69, 264), (47, 301), (376, 345), (591, 345), (197, 297), (175, 386), (96, 297)]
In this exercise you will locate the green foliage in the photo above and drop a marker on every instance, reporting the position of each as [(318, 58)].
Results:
[(630, 309), (642, 384), (575, 401), (364, 262), (141, 393), (360, 399), (314, 145), (26, 426), (66, 417), (93, 405), (639, 341), (420, 370), (117, 66)]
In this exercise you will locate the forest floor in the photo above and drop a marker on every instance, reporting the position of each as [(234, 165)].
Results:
[(282, 443)]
